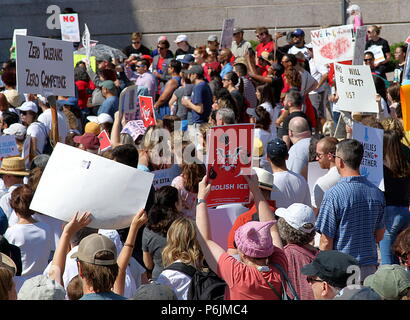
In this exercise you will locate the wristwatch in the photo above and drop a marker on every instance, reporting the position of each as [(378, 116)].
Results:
[(198, 201)]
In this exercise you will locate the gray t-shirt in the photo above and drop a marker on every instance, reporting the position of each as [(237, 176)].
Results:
[(182, 111), (153, 243)]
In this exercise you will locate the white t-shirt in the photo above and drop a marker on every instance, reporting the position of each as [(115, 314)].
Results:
[(298, 156), (274, 113), (5, 205), (293, 188), (39, 131), (55, 225), (46, 118), (295, 50), (36, 242), (317, 71), (177, 281), (323, 184)]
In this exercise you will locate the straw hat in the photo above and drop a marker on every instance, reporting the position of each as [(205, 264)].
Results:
[(14, 166)]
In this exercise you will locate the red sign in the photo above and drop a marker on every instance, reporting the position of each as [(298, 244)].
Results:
[(229, 157), (408, 40), (105, 142), (147, 111)]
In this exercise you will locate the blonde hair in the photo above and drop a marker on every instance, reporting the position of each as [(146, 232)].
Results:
[(6, 283), (182, 244)]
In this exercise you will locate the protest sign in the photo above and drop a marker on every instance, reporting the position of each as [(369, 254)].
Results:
[(44, 66), (372, 162), (333, 44), (229, 156), (359, 45), (227, 33), (377, 52), (75, 180), (22, 32), (8, 146), (129, 104), (86, 41), (134, 128), (147, 111), (405, 105), (164, 177), (355, 87), (105, 142), (70, 30), (406, 71), (83, 57)]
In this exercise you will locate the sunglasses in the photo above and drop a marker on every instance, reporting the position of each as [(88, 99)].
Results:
[(136, 42), (161, 48), (312, 280), (366, 60), (260, 35)]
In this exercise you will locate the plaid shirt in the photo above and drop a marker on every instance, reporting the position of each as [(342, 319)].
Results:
[(350, 214)]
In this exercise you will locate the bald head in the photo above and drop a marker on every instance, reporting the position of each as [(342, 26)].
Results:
[(4, 104), (225, 55), (299, 125)]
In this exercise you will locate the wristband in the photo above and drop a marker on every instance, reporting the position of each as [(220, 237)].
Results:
[(128, 245), (198, 201)]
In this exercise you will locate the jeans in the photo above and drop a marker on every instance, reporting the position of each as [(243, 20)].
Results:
[(396, 220)]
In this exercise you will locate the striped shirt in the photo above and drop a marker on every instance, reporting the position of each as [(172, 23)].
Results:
[(350, 214)]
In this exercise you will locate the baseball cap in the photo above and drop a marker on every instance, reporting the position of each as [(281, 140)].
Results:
[(180, 38), (237, 30), (389, 281), (41, 287), (93, 244), (146, 57), (265, 178), (108, 84), (298, 33), (102, 118), (92, 127), (357, 292), (88, 140), (8, 263), (154, 291), (195, 69), (71, 101), (188, 58), (330, 266), (16, 129), (161, 38), (252, 113), (277, 149), (28, 106), (212, 38), (298, 216)]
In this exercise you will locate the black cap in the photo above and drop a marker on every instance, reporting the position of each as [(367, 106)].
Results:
[(331, 266), (277, 149)]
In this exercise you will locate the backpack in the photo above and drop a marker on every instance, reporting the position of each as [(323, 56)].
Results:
[(205, 285)]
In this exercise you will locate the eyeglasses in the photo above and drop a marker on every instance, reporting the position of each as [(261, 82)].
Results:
[(260, 35), (320, 155), (312, 280), (366, 60), (136, 42)]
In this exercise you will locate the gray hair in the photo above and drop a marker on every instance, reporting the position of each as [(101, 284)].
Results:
[(351, 152), (291, 235), (227, 115), (294, 97)]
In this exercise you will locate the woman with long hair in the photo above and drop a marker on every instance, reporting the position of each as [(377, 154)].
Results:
[(266, 99), (229, 82), (182, 246), (396, 168)]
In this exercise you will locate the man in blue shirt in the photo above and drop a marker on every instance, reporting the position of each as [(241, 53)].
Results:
[(351, 216), (110, 104), (225, 58)]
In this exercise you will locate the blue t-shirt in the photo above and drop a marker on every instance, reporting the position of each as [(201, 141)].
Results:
[(226, 68), (202, 94), (110, 106), (102, 296)]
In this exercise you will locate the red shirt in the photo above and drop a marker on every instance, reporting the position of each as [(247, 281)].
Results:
[(268, 47), (216, 66), (83, 96)]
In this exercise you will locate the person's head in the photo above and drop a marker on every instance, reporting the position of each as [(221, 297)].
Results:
[(325, 152), (97, 262), (20, 201), (80, 74), (260, 117), (108, 88), (349, 154), (200, 55), (4, 104), (8, 270), (401, 247), (380, 87), (163, 46), (230, 80), (262, 33), (393, 156), (298, 129), (182, 41), (141, 66), (293, 99), (9, 79), (237, 35), (393, 93), (240, 69), (174, 67), (391, 282), (182, 244), (87, 142), (41, 287), (277, 152), (28, 112), (353, 10), (34, 178), (298, 37), (192, 174), (225, 56), (400, 53), (373, 32), (225, 116), (328, 273), (213, 43), (196, 72), (369, 59), (296, 224), (136, 38), (126, 154), (75, 288), (289, 60), (13, 171), (8, 118)]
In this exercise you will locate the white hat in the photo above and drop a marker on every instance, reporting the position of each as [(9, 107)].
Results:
[(16, 129), (28, 106), (102, 118), (180, 38), (297, 216), (41, 288), (42, 99), (212, 38), (160, 38), (265, 178), (353, 7)]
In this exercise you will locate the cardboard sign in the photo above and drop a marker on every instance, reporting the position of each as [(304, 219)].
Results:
[(22, 32), (356, 89), (164, 177), (134, 128), (359, 46), (405, 105), (86, 40), (105, 142), (227, 33), (83, 57), (45, 66), (229, 156), (25, 154), (75, 180), (147, 111), (372, 162), (8, 146), (333, 44), (129, 104), (70, 30), (377, 52)]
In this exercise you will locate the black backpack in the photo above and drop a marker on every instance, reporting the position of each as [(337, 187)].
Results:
[(205, 285)]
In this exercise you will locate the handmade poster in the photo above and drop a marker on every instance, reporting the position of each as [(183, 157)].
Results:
[(405, 105), (227, 33), (22, 32), (105, 142), (86, 40), (45, 66), (372, 162), (229, 157), (8, 146), (134, 128), (164, 177), (147, 111), (359, 46), (355, 87), (83, 57), (70, 29), (377, 52), (333, 44), (75, 180), (129, 104)]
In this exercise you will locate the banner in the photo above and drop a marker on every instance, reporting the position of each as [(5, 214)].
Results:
[(22, 32), (70, 29), (355, 87), (227, 33), (8, 146), (129, 104), (359, 45), (83, 57), (44, 66), (75, 180), (105, 142), (164, 177), (229, 156), (405, 105), (372, 162), (333, 44), (147, 111)]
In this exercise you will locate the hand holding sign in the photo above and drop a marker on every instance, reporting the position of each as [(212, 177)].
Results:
[(77, 222)]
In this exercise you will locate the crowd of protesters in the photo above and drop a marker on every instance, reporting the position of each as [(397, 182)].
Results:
[(287, 242)]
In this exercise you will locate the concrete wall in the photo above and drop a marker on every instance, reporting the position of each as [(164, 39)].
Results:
[(112, 21)]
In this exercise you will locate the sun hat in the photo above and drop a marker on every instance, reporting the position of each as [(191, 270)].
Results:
[(13, 97), (14, 166), (41, 287), (299, 216), (93, 244), (8, 263)]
